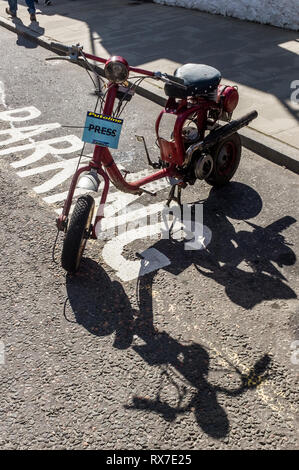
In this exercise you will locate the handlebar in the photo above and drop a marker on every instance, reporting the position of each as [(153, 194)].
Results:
[(75, 53), (165, 77), (61, 47)]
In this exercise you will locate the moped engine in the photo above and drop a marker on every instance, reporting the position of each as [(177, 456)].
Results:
[(202, 166)]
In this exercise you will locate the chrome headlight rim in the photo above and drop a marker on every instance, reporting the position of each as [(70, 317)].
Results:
[(116, 69)]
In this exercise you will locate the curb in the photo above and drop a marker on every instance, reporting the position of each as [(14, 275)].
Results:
[(263, 145), (271, 149)]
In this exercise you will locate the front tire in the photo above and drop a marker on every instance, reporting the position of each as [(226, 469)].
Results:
[(77, 234), (226, 157)]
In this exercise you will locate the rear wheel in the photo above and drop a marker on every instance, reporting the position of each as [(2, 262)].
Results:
[(77, 234), (226, 157)]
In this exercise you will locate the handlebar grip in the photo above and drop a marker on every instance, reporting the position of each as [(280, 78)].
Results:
[(61, 47), (175, 79), (172, 80)]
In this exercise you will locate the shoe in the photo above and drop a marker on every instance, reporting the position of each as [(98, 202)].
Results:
[(10, 12), (32, 17)]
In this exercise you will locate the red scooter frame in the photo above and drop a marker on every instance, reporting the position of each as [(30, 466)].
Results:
[(185, 163), (103, 158)]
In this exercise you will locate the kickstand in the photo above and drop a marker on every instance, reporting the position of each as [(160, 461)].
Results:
[(172, 197)]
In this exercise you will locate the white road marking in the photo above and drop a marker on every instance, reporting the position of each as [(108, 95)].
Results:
[(13, 115), (23, 133), (67, 169), (153, 259), (132, 222), (128, 270), (61, 197)]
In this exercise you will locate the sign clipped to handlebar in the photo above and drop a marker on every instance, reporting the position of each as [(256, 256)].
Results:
[(102, 130)]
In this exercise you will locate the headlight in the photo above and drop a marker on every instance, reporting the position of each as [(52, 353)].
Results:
[(117, 69)]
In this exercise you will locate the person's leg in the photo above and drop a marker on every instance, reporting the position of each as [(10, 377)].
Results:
[(31, 6), (13, 6)]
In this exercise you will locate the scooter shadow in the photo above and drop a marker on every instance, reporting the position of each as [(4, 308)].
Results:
[(98, 303), (102, 306), (246, 262)]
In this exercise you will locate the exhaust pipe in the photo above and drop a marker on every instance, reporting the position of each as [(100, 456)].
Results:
[(217, 136)]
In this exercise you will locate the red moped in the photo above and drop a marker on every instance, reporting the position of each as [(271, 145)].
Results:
[(199, 147)]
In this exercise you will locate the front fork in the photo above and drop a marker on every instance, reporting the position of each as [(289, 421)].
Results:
[(100, 211), (62, 220)]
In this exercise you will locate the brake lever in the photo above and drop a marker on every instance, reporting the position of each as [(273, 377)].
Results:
[(58, 58), (172, 82), (72, 52), (74, 60), (165, 78)]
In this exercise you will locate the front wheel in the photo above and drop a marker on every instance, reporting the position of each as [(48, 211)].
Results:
[(226, 157), (77, 234)]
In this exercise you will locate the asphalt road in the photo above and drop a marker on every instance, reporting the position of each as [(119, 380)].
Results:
[(199, 354)]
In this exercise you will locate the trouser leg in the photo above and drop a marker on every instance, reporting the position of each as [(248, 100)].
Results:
[(13, 5), (31, 6)]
